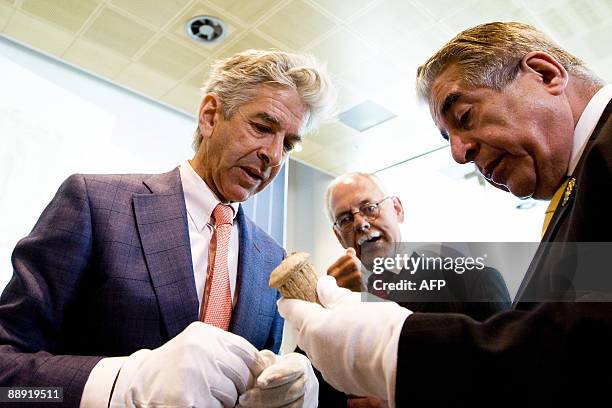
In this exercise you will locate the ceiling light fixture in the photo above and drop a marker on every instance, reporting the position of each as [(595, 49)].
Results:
[(206, 29)]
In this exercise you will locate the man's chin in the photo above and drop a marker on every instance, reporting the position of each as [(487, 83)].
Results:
[(520, 189), (370, 251), (238, 194)]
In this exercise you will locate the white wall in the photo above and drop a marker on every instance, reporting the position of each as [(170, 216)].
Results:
[(56, 120)]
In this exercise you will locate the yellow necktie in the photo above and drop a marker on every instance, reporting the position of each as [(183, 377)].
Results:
[(565, 191)]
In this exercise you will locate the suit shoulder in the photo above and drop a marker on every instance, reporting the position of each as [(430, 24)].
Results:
[(105, 190), (263, 240), (127, 182)]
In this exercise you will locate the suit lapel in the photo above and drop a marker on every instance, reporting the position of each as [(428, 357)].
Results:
[(561, 211), (543, 249), (251, 285), (161, 219)]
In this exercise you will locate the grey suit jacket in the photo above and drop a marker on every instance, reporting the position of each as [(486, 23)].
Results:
[(107, 270)]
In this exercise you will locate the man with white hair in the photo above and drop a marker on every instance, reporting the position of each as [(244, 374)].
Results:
[(152, 290), (366, 221)]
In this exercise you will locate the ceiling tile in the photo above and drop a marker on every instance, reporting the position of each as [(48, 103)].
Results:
[(309, 148), (126, 36), (441, 9), (250, 40), (6, 11), (603, 68), (348, 96), (145, 80), (334, 133), (342, 50), (368, 76), (485, 11), (68, 14), (95, 58), (39, 34), (389, 20), (418, 47), (247, 11), (586, 13), (326, 159), (196, 80), (344, 10), (595, 44), (184, 97), (288, 24), (158, 13), (201, 9), (171, 58), (560, 25)]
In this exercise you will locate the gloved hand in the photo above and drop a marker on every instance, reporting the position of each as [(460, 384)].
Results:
[(347, 271), (203, 366), (352, 343), (287, 382)]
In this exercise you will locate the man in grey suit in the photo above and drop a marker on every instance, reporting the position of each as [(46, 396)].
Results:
[(114, 295)]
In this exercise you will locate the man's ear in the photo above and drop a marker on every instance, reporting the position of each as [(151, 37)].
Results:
[(554, 75), (398, 208), (339, 238), (210, 109)]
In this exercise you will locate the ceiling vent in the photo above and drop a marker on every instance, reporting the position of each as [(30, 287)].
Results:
[(366, 115), (206, 29)]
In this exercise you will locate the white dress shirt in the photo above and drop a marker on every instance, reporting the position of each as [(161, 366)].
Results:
[(200, 202), (586, 124)]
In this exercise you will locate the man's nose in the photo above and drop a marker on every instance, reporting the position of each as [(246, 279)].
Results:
[(360, 222), (463, 151), (271, 150)]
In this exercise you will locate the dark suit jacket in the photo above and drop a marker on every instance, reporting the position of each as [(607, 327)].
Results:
[(542, 353), (107, 270)]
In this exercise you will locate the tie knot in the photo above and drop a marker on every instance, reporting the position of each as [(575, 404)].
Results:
[(223, 214)]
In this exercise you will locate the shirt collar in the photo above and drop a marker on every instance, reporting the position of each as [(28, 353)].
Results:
[(200, 200), (586, 124)]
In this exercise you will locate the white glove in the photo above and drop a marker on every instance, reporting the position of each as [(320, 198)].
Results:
[(287, 382), (352, 343), (203, 366)]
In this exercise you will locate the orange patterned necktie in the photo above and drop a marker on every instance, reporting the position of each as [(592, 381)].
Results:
[(217, 294)]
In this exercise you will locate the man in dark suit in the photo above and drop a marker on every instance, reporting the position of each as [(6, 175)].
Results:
[(537, 123), (107, 286)]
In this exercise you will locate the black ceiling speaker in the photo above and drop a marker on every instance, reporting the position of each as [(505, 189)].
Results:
[(206, 29)]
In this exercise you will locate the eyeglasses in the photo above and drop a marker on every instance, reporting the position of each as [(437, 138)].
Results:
[(371, 211)]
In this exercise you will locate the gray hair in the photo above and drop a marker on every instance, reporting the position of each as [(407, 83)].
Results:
[(236, 79), (370, 176), (489, 55)]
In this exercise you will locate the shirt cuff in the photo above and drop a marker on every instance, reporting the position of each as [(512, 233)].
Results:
[(97, 391)]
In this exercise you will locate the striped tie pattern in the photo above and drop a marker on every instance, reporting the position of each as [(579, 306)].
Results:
[(218, 304)]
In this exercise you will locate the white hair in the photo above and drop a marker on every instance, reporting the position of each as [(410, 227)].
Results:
[(236, 79), (370, 176)]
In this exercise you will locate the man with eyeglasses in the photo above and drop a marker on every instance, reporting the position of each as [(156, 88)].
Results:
[(366, 221)]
